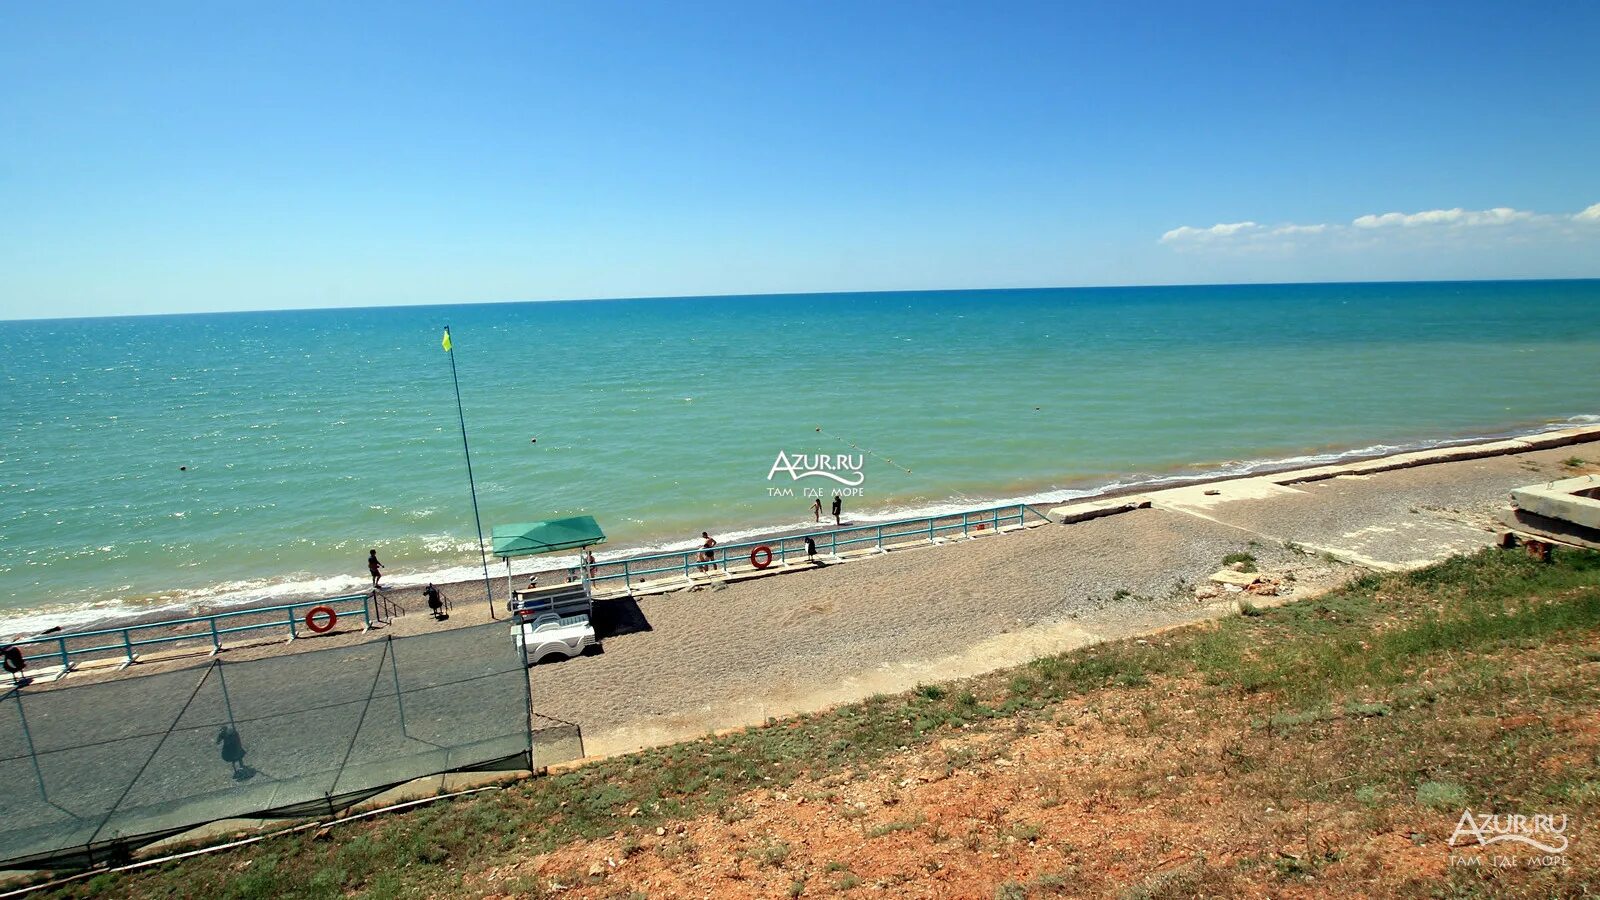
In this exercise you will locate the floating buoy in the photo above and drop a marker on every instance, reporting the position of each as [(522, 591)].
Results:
[(183, 468), (315, 612)]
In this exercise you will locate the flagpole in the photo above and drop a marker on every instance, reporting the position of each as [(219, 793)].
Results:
[(450, 351)]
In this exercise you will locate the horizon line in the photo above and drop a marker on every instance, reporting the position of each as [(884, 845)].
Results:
[(768, 294)]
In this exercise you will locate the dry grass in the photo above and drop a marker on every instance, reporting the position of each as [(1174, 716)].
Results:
[(1323, 747)]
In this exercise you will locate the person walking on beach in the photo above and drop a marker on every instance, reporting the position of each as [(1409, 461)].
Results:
[(838, 507), (588, 560), (816, 510), (374, 567), (435, 602), (706, 555)]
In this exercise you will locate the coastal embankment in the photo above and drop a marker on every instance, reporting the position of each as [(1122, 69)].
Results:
[(723, 655)]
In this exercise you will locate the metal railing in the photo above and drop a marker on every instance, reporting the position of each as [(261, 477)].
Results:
[(622, 573), (66, 647)]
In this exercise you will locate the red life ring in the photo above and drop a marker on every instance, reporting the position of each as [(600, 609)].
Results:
[(765, 553), (314, 612)]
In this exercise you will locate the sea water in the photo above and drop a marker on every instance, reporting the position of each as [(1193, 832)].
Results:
[(153, 462)]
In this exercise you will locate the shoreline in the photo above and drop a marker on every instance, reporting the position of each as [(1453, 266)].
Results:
[(408, 587)]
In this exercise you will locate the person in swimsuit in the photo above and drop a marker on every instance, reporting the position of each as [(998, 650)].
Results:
[(816, 510), (374, 567), (838, 507), (706, 555)]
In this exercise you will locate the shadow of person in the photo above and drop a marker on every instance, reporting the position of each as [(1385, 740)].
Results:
[(233, 752)]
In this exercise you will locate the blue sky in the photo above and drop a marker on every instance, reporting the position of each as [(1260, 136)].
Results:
[(162, 157)]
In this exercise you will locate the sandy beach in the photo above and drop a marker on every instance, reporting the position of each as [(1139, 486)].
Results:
[(683, 663)]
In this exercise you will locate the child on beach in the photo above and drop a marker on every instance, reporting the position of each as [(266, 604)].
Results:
[(816, 510), (374, 566)]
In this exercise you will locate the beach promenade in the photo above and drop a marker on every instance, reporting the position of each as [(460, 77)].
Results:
[(725, 655)]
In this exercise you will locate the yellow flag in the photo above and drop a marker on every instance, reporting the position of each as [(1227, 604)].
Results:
[(446, 341)]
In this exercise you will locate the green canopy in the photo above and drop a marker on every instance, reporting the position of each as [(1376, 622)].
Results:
[(529, 538)]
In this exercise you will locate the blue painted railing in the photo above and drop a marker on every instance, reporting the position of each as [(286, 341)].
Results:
[(66, 647), (621, 573)]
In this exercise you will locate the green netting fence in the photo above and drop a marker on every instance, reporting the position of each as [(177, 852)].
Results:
[(89, 772)]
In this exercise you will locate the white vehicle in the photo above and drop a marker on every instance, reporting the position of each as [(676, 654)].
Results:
[(549, 637)]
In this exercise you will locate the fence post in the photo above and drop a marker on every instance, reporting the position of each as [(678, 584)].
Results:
[(627, 579), (65, 663), (293, 633), (964, 525), (216, 639), (880, 537), (127, 644)]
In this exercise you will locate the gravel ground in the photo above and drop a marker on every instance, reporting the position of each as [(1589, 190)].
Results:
[(715, 657)]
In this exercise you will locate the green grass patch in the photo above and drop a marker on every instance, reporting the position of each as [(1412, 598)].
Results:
[(1380, 665)]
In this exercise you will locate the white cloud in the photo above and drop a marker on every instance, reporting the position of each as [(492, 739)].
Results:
[(1501, 223), (1219, 230), (1500, 215)]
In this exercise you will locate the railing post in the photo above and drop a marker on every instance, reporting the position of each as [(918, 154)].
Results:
[(997, 518), (65, 662), (292, 632), (216, 639), (627, 579), (964, 525), (127, 644), (833, 542), (880, 537)]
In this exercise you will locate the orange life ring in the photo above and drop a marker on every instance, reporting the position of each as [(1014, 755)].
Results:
[(765, 553), (314, 612)]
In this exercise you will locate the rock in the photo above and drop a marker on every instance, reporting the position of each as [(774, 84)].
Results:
[(597, 868), (1240, 579)]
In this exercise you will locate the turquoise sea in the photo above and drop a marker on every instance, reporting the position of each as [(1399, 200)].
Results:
[(169, 460)]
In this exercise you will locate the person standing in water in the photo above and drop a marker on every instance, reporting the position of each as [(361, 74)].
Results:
[(374, 567), (816, 510), (838, 507)]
